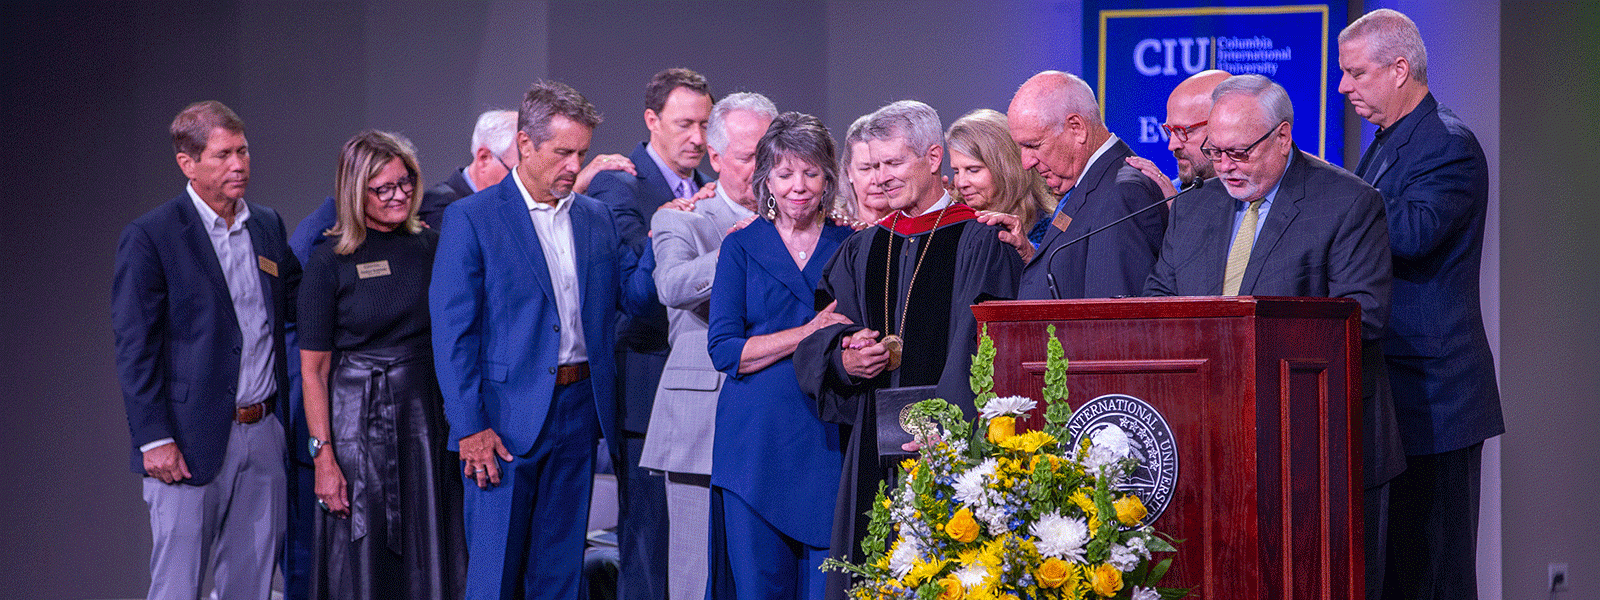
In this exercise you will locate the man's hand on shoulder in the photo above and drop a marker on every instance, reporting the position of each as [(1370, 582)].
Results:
[(687, 204), (604, 162), (1154, 173), (165, 462), (1013, 234), (478, 454)]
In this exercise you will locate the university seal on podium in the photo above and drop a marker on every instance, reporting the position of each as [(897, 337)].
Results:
[(1149, 437)]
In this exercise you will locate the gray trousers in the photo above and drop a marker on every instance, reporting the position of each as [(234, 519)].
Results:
[(688, 552), (233, 524)]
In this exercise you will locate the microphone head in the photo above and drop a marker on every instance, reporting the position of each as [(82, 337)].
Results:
[(1196, 184)]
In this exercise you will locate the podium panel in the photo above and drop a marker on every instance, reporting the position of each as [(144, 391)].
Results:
[(1262, 398)]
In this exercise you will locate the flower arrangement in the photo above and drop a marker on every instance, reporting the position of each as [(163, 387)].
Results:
[(988, 513)]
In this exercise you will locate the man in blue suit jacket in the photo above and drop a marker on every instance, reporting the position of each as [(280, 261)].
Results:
[(1317, 231), (677, 109), (1435, 180), (523, 301), (204, 285)]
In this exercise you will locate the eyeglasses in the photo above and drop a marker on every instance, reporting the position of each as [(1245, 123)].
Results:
[(387, 190), (503, 163), (1216, 154), (1182, 133)]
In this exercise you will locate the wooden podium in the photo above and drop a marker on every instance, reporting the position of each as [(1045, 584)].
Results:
[(1263, 400)]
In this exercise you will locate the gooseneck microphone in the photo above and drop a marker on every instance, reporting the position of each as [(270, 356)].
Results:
[(1050, 277)]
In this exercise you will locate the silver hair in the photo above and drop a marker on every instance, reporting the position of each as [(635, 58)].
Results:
[(1067, 95), (1273, 99), (496, 130), (1390, 34), (717, 129), (914, 121)]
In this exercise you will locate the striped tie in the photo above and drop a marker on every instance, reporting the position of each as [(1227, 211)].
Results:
[(1239, 253)]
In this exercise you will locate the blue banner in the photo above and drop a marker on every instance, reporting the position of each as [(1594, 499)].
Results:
[(1136, 52)]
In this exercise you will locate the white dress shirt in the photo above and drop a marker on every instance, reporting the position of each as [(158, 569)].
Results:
[(554, 227)]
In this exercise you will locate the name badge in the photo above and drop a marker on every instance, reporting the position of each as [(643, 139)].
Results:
[(267, 265), (369, 270), (1061, 221)]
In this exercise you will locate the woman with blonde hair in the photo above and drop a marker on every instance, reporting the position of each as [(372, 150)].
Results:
[(989, 175), (392, 525), (864, 201)]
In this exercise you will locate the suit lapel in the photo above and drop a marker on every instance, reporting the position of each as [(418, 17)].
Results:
[(1389, 152), (1284, 210), (774, 258), (582, 245), (515, 213), (199, 241), (260, 243), (1087, 185), (651, 181)]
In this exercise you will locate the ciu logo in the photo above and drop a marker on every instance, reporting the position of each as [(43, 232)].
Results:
[(1154, 57)]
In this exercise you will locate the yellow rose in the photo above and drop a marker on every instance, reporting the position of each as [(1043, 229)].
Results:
[(1106, 580), (962, 527), (1001, 428), (952, 588), (1053, 572), (1129, 509)]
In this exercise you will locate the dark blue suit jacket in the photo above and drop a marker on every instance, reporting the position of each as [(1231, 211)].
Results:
[(1435, 181), (1325, 237), (633, 200), (1114, 262), (178, 339), (496, 333)]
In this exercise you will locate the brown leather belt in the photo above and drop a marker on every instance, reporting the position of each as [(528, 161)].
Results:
[(253, 413), (570, 374)]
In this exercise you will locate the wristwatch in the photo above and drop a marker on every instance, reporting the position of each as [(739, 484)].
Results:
[(315, 445)]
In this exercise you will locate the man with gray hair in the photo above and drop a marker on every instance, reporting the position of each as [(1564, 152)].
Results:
[(682, 421), (1435, 179), (1280, 222), (1056, 122), (492, 158), (907, 285)]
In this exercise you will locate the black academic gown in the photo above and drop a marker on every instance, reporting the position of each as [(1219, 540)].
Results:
[(967, 262)]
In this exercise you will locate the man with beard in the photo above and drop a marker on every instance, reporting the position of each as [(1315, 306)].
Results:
[(1188, 108)]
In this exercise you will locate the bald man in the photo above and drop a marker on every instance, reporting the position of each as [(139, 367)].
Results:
[(1056, 123), (1187, 110)]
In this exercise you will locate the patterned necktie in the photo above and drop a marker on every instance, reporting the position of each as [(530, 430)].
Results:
[(1239, 253)]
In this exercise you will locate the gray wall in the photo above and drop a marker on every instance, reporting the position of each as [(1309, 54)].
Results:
[(89, 89)]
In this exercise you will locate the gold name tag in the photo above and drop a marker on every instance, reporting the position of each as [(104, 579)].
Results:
[(267, 265), (372, 269), (1061, 221)]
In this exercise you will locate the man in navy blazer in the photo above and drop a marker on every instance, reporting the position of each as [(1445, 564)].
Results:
[(1056, 123), (1435, 181), (203, 287), (677, 109), (1318, 231), (524, 300)]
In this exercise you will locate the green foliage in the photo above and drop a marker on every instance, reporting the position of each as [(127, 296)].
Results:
[(983, 369), (1057, 412), (944, 413)]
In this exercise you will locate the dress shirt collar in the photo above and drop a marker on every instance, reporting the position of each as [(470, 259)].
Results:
[(210, 217), (944, 201), (739, 211), (673, 180), (471, 185), (1110, 141), (560, 206)]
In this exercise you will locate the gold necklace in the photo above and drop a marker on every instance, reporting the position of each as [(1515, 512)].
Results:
[(894, 343)]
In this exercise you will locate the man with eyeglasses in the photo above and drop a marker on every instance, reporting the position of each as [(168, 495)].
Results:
[(1280, 222), (1188, 108), (1434, 175)]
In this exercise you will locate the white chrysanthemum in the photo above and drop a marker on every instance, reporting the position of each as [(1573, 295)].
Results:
[(1009, 405), (1144, 593), (1126, 558), (1061, 537), (906, 551), (969, 485), (972, 575), (1108, 446)]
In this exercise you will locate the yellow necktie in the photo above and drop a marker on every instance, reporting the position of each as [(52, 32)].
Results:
[(1239, 253)]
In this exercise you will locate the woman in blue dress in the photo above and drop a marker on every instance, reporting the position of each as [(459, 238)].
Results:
[(775, 465)]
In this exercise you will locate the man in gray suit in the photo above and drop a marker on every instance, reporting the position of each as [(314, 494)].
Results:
[(1279, 222), (678, 441)]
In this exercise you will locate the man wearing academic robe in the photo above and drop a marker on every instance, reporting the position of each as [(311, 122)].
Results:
[(907, 284)]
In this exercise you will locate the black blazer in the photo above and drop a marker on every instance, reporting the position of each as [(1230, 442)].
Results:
[(1114, 262), (1435, 182), (1325, 237), (441, 195), (177, 335)]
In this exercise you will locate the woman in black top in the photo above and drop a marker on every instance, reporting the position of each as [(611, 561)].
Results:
[(388, 486)]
